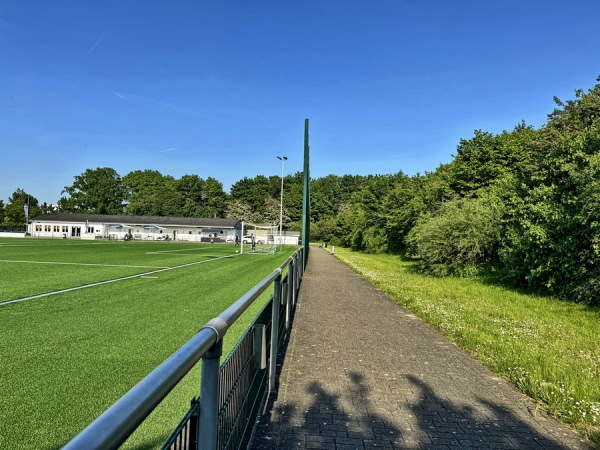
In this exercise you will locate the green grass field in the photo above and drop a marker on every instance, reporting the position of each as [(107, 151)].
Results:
[(81, 322)]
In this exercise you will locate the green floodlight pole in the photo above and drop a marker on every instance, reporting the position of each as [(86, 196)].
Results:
[(306, 199)]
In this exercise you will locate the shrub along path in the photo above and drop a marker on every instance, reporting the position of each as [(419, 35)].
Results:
[(361, 372)]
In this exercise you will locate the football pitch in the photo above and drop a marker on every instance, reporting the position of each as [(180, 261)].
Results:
[(81, 322)]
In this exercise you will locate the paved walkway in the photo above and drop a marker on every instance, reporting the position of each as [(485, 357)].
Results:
[(360, 372)]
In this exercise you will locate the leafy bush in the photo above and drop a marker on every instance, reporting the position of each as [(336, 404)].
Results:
[(552, 242), (459, 238)]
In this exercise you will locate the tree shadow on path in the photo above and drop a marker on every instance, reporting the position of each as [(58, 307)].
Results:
[(481, 424), (354, 418)]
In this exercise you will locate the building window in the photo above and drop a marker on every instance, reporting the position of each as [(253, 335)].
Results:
[(47, 228), (65, 228)]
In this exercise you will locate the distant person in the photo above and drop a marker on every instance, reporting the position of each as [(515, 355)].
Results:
[(253, 242), (237, 240)]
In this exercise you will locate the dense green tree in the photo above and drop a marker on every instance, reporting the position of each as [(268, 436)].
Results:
[(552, 228), (323, 230), (293, 189), (201, 198), (14, 211), (144, 180), (485, 158), (96, 191), (191, 187), (253, 191), (411, 198), (214, 199), (575, 115), (149, 193), (362, 225)]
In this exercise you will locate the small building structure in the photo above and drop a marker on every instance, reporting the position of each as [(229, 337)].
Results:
[(288, 238), (124, 227)]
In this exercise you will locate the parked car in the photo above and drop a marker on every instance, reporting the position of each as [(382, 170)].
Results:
[(248, 240)]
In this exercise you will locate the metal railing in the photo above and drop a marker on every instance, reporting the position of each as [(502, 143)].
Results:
[(230, 393)]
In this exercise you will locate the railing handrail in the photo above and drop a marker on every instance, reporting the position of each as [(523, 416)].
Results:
[(119, 421)]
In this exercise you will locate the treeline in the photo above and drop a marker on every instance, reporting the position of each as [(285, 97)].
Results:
[(150, 193), (523, 204)]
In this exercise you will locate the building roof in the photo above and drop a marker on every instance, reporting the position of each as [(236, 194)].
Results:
[(138, 220)]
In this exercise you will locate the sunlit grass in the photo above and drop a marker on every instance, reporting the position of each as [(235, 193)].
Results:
[(67, 357), (547, 348)]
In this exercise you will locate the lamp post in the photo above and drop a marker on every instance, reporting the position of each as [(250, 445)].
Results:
[(282, 159)]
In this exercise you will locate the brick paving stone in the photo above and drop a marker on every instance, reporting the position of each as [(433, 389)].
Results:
[(361, 372)]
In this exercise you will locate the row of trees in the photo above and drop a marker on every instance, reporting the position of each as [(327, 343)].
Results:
[(150, 193), (523, 204)]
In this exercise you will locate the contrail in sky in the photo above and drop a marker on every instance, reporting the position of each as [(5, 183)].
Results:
[(92, 48), (176, 108)]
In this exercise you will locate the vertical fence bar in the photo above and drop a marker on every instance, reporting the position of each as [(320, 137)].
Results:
[(288, 300), (193, 432), (274, 333), (209, 397), (292, 280)]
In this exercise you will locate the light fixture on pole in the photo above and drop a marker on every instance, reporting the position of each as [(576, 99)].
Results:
[(282, 159)]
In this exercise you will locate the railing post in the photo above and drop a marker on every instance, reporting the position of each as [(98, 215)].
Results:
[(297, 271), (209, 397), (291, 280), (274, 333)]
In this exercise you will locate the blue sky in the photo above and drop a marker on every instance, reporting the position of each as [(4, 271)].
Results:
[(221, 88)]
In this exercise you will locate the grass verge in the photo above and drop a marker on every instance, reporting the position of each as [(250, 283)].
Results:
[(545, 347)]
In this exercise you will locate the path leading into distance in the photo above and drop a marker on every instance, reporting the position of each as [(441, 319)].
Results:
[(361, 372)]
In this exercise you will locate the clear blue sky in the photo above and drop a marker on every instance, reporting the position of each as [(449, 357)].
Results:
[(221, 88)]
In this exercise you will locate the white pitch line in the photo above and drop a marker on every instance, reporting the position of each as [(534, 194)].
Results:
[(82, 264), (62, 291), (159, 252), (174, 254)]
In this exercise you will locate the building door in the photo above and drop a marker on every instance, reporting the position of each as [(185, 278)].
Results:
[(75, 231)]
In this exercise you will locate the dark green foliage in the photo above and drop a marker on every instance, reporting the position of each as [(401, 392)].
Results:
[(459, 238), (486, 158), (253, 192), (409, 199), (97, 191), (13, 214), (552, 233), (539, 192)]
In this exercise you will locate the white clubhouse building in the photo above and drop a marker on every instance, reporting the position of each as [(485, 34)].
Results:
[(104, 226)]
